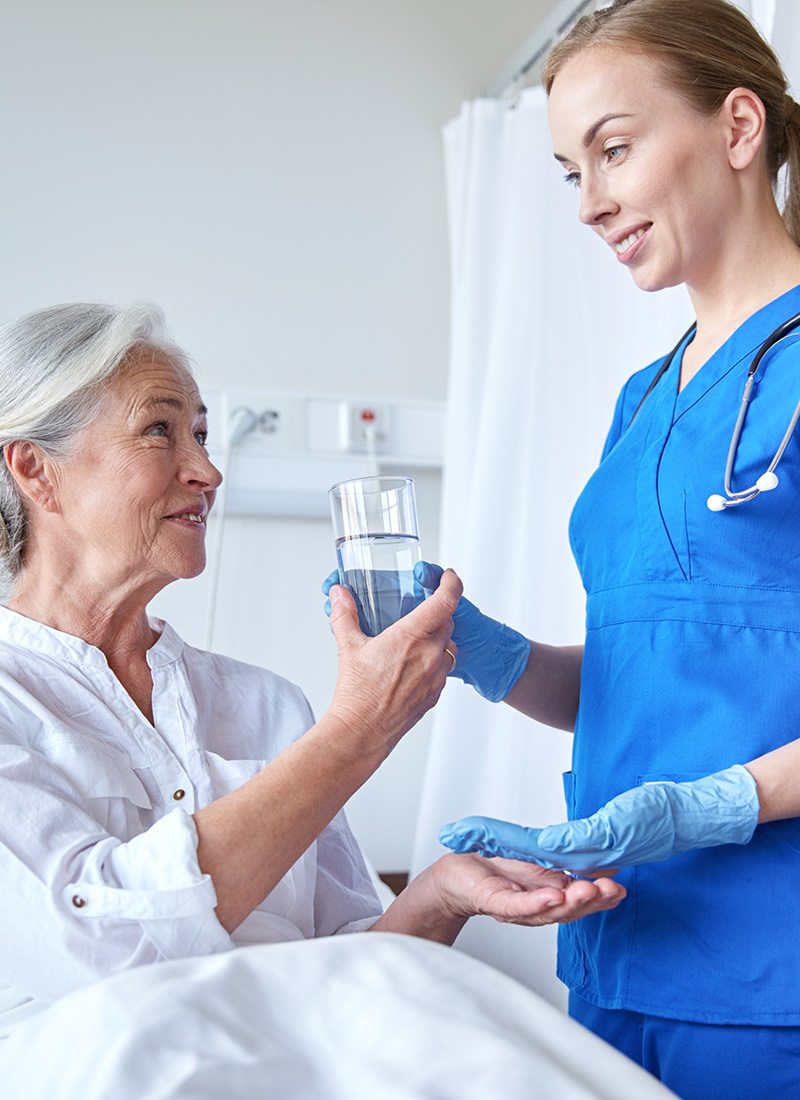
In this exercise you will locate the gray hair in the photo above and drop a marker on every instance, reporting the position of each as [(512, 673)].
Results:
[(53, 364)]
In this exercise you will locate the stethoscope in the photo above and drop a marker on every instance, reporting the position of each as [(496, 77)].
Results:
[(769, 479)]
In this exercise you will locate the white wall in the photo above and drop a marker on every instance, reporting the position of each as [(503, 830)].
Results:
[(270, 172)]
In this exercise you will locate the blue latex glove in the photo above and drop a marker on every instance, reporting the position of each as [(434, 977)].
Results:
[(491, 656), (407, 601), (643, 825), (327, 584), (388, 600)]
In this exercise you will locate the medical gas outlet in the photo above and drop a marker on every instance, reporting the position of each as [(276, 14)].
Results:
[(364, 428)]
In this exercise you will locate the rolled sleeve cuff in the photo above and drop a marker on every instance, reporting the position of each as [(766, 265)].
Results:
[(160, 885)]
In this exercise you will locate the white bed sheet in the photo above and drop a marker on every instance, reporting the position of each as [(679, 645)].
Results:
[(373, 1016)]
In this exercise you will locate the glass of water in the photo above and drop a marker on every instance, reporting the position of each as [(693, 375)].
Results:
[(377, 546)]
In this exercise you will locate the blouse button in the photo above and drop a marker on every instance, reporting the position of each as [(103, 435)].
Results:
[(179, 794), (78, 901)]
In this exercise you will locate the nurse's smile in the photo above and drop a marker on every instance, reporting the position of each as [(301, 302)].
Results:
[(625, 243)]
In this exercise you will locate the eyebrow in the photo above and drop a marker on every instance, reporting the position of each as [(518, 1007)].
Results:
[(591, 133), (173, 403)]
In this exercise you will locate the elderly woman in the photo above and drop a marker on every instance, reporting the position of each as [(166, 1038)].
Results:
[(158, 802)]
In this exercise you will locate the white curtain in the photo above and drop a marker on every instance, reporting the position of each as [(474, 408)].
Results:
[(546, 326)]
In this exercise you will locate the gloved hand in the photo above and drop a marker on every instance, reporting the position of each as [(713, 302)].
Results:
[(491, 656), (643, 825), (388, 600)]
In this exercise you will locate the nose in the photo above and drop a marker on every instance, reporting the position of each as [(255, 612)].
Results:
[(198, 471), (597, 204)]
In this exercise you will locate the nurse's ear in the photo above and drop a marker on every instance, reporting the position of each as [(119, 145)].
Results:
[(745, 122), (33, 473)]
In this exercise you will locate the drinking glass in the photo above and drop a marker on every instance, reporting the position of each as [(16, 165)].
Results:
[(377, 545)]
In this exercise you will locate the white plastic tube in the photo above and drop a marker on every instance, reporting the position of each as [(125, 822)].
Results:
[(241, 422)]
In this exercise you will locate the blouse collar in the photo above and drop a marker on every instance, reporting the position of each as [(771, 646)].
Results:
[(18, 630)]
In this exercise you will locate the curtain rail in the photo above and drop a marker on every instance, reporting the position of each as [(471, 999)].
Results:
[(536, 48)]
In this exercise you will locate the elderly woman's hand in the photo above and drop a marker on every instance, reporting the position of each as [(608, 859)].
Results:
[(439, 901), (385, 684), (507, 890)]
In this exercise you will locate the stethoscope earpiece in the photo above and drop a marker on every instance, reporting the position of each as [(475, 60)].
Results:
[(765, 484)]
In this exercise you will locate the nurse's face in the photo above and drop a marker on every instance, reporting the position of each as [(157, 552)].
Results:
[(653, 174)]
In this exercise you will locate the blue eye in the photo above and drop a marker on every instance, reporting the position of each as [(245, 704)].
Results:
[(614, 152), (162, 428), (202, 438)]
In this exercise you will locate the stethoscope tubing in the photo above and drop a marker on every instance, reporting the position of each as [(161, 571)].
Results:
[(743, 494), (768, 479)]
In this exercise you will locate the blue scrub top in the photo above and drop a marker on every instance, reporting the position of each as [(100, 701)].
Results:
[(692, 664)]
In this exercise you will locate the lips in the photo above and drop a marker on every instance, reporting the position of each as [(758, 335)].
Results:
[(625, 242), (190, 516)]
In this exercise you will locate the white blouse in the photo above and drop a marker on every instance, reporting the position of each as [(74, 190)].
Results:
[(98, 848)]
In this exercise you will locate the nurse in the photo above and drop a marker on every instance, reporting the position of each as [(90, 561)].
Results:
[(672, 120)]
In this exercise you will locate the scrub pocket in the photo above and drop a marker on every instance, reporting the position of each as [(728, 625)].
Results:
[(568, 780), (670, 777)]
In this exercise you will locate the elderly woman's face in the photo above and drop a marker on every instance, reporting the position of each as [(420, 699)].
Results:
[(135, 496)]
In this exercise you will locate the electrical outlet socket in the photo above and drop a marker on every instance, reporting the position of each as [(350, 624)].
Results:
[(276, 420)]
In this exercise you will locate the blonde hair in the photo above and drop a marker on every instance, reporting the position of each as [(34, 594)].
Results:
[(706, 49)]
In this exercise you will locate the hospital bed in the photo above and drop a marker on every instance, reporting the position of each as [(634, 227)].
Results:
[(371, 1016)]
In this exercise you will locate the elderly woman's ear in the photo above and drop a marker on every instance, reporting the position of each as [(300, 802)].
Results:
[(32, 472)]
